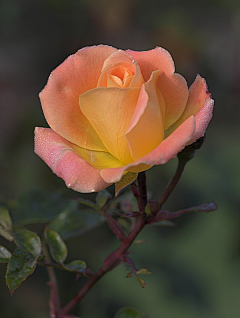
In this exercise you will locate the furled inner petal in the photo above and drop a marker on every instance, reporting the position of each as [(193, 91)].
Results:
[(77, 74), (120, 70), (109, 110), (119, 77), (146, 129)]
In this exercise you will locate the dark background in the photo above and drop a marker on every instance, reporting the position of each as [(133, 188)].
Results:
[(196, 265)]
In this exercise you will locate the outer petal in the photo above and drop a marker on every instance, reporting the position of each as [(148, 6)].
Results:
[(203, 118), (109, 110), (146, 129), (62, 159), (153, 60), (172, 86), (77, 74), (175, 92), (167, 150), (200, 105)]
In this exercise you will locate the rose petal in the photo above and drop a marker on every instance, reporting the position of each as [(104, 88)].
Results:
[(77, 74), (203, 118), (175, 92), (167, 150), (172, 145), (200, 105), (172, 86), (98, 159), (62, 159), (146, 129), (109, 110), (153, 60)]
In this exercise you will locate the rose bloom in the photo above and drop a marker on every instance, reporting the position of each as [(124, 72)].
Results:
[(115, 113)]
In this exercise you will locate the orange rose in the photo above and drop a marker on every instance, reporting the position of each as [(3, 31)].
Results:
[(114, 113)]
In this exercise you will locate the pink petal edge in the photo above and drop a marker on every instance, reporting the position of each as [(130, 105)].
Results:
[(203, 118), (57, 153)]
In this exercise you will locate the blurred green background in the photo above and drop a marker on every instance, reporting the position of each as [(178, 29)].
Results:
[(196, 265)]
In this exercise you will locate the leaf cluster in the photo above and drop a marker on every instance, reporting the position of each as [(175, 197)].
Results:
[(63, 218)]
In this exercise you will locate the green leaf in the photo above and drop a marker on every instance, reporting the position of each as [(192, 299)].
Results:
[(143, 271), (4, 233), (75, 222), (5, 224), (58, 248), (102, 197), (141, 281), (76, 266), (28, 241), (5, 255), (128, 312), (5, 219), (38, 206), (21, 265)]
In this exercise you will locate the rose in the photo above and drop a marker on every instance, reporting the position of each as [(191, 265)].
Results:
[(115, 113)]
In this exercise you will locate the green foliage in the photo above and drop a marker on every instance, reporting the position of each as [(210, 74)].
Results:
[(28, 241), (58, 248), (5, 255), (74, 222), (5, 224), (24, 259), (76, 266), (143, 271), (132, 271), (64, 215), (128, 312), (38, 206), (21, 265)]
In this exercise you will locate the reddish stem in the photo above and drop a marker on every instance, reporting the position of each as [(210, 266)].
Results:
[(115, 257), (54, 301), (173, 182), (109, 264)]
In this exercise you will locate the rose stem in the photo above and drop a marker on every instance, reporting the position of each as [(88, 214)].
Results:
[(142, 192), (54, 302), (182, 161), (113, 259)]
